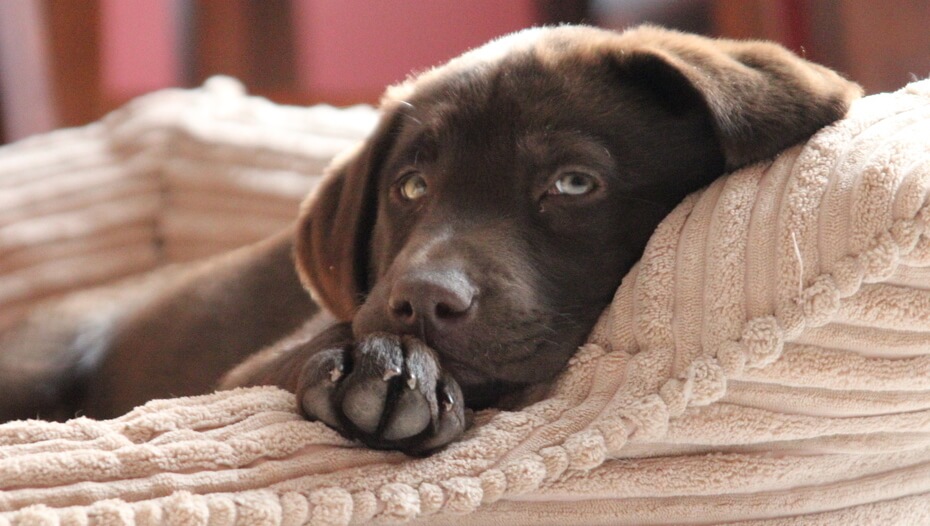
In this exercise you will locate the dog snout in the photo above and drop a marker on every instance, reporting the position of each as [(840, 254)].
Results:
[(435, 298)]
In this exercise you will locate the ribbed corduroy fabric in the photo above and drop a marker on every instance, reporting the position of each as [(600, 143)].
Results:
[(766, 362)]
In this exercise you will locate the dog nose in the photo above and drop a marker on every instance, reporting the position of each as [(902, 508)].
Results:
[(436, 298)]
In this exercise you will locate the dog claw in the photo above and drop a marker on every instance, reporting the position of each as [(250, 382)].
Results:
[(336, 373), (412, 382), (390, 373), (447, 401)]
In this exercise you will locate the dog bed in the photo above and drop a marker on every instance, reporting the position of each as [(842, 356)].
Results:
[(766, 362)]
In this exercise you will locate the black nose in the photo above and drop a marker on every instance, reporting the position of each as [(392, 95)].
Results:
[(437, 298)]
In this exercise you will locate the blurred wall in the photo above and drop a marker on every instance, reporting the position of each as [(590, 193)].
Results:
[(345, 50), (101, 53), (357, 47), (139, 45)]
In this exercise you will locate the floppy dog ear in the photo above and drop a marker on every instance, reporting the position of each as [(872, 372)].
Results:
[(760, 97), (335, 224)]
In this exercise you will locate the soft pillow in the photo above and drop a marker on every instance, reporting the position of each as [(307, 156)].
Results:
[(767, 359)]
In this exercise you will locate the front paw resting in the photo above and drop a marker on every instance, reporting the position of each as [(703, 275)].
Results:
[(387, 391)]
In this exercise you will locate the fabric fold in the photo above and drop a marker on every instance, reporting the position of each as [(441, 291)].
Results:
[(764, 363)]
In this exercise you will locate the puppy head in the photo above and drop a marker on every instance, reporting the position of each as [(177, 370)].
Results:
[(530, 173)]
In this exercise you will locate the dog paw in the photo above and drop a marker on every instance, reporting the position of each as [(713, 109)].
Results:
[(387, 391)]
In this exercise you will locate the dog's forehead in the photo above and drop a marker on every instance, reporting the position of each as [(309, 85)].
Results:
[(520, 90), (552, 49)]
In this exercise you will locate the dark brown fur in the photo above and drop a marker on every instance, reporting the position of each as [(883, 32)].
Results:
[(487, 284)]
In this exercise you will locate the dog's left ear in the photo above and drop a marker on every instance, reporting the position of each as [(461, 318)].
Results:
[(335, 224), (761, 98)]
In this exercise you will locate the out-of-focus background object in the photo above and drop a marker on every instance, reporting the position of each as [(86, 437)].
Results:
[(67, 62)]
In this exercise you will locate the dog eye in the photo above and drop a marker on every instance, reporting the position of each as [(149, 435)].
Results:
[(573, 183), (413, 186)]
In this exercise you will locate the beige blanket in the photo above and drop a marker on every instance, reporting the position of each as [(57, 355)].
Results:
[(173, 176), (768, 361)]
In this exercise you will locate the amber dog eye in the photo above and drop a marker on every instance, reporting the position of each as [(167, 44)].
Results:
[(413, 186), (573, 183)]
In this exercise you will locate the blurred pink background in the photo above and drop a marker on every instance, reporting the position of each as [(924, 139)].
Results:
[(350, 47), (68, 62)]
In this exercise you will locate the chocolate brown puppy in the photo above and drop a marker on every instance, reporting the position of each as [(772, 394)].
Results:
[(466, 249)]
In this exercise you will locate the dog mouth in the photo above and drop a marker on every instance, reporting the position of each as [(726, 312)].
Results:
[(527, 360), (507, 343), (464, 373)]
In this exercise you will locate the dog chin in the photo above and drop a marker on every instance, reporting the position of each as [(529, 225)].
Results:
[(465, 374)]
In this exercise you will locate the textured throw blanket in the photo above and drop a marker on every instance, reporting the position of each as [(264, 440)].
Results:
[(767, 361), (174, 176)]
